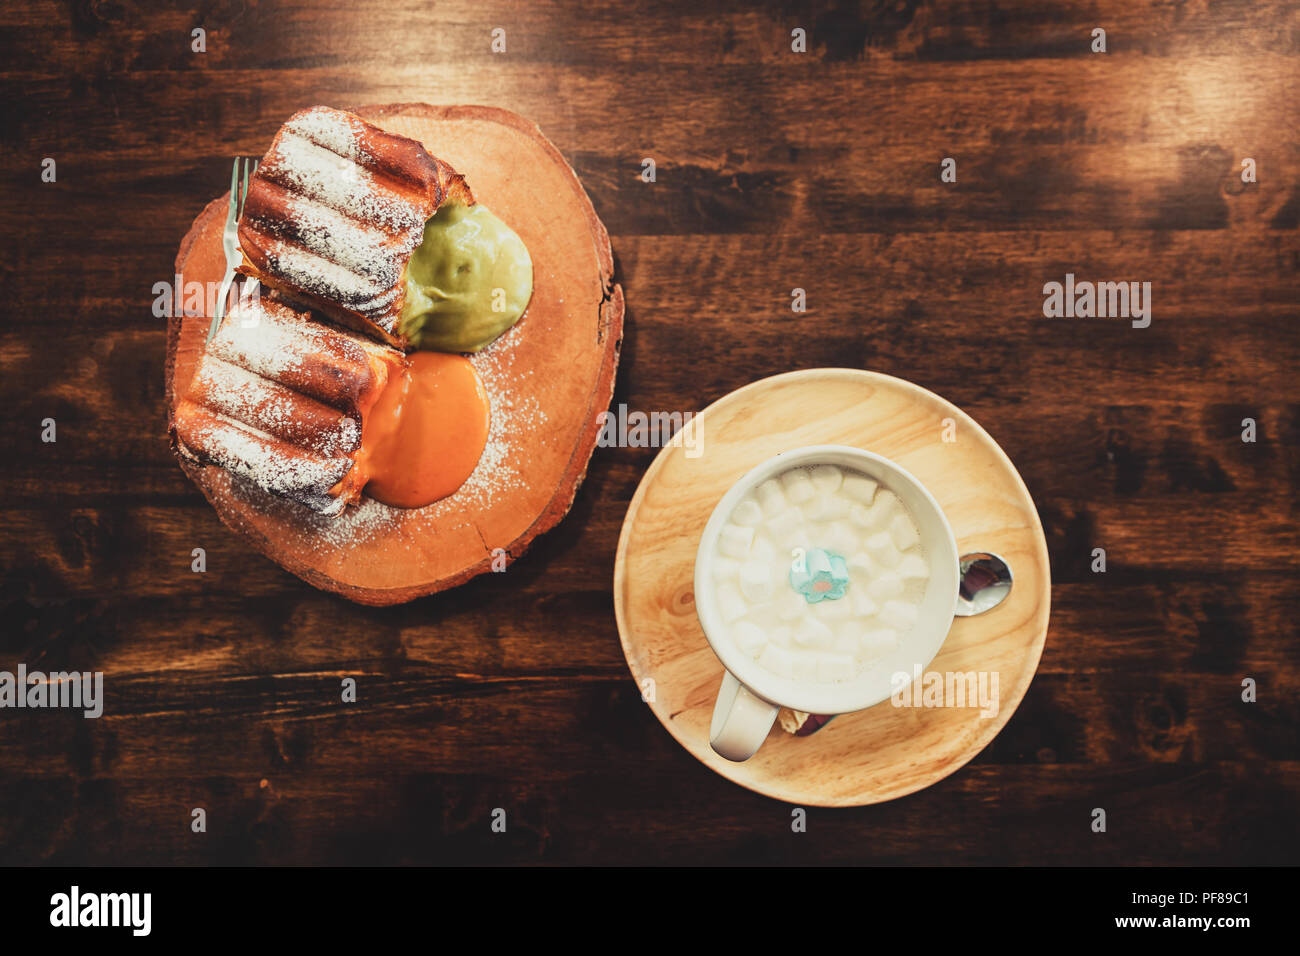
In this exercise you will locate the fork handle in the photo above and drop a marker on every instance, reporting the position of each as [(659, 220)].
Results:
[(220, 311)]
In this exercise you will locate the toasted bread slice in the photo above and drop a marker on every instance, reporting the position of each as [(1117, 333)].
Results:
[(334, 212), (281, 400)]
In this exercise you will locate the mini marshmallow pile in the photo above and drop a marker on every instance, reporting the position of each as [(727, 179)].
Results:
[(842, 512)]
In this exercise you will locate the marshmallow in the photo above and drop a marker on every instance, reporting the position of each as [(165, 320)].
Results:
[(798, 486), (889, 557), (771, 498), (876, 643), (899, 615), (777, 660), (781, 635), (846, 640), (880, 546), (763, 549), (840, 540), (903, 532), (864, 608), (811, 632), (837, 610), (826, 478), (756, 581), (827, 506), (839, 572), (747, 513), (725, 569), (790, 606), (886, 586), (749, 638), (731, 606), (788, 529), (882, 512), (860, 563), (861, 572), (734, 541), (805, 665), (859, 487), (860, 515), (914, 568), (834, 667)]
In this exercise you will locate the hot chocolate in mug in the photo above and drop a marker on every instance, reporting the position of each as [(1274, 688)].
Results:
[(821, 573)]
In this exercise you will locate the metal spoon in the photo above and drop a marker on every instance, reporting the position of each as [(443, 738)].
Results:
[(985, 583)]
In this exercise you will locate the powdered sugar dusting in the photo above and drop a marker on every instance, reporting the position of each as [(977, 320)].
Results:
[(257, 456), (332, 129), (318, 275), (269, 406), (268, 341), (516, 418), (243, 396), (352, 244), (302, 166), (364, 522)]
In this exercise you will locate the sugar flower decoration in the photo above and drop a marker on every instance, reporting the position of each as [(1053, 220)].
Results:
[(819, 576)]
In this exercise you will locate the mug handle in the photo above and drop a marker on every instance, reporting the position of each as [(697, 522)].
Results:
[(741, 720)]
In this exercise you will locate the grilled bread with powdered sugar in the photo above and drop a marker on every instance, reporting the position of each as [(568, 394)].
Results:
[(334, 212)]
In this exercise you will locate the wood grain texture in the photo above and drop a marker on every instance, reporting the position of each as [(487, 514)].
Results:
[(885, 751), (552, 373), (774, 171)]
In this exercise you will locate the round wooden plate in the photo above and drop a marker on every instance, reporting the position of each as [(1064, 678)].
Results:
[(547, 378), (886, 751)]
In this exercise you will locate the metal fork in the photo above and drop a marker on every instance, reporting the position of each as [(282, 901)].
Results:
[(239, 173)]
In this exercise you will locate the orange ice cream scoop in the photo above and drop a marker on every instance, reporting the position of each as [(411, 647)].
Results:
[(426, 432)]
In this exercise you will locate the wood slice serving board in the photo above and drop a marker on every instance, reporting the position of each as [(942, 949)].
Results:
[(547, 379), (886, 751)]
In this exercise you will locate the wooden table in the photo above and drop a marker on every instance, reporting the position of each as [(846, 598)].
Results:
[(774, 171)]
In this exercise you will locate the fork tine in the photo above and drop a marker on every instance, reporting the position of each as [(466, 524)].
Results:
[(250, 167), (232, 216), (234, 192)]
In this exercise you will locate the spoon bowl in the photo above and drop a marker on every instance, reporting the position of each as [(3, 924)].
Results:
[(985, 583)]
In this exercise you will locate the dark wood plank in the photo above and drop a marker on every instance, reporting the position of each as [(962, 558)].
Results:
[(774, 170)]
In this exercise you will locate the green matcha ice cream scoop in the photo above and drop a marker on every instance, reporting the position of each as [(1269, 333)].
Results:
[(468, 282)]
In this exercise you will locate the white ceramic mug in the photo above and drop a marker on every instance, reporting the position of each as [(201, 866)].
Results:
[(750, 695)]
